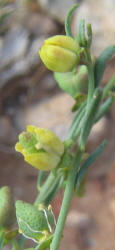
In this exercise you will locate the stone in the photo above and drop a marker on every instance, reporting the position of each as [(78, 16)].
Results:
[(57, 8), (78, 220), (8, 133), (111, 174), (112, 207), (99, 130), (54, 114), (14, 46), (25, 64), (101, 14), (32, 22)]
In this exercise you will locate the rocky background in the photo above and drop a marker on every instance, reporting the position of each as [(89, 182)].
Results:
[(29, 95)]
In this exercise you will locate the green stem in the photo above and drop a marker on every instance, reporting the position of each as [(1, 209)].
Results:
[(109, 87), (45, 188), (90, 69), (2, 235), (15, 245), (104, 108), (76, 121), (66, 202), (67, 21)]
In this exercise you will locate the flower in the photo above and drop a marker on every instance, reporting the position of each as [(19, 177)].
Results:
[(35, 223), (40, 147), (60, 53), (7, 209)]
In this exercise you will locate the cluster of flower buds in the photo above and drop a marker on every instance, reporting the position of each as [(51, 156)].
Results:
[(60, 53), (35, 223), (7, 209), (40, 147)]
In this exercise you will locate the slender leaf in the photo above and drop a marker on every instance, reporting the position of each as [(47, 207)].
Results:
[(52, 194), (104, 108), (15, 245), (90, 160), (41, 178), (21, 241), (82, 37), (2, 238), (102, 62), (44, 244), (89, 33), (89, 117), (67, 20), (76, 120), (47, 196), (109, 86), (45, 188)]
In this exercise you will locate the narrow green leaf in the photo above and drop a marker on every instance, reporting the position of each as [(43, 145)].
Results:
[(102, 62), (79, 125), (2, 238), (41, 178), (80, 190), (89, 34), (15, 245), (79, 99), (89, 117), (67, 20), (43, 198), (82, 36), (53, 193), (44, 244), (90, 160), (21, 241), (104, 108), (50, 179), (109, 86), (76, 121)]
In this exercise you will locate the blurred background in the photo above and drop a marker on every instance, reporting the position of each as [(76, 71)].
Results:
[(30, 95)]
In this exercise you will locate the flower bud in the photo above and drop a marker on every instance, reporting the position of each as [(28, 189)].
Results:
[(35, 223), (60, 53), (7, 210), (40, 147)]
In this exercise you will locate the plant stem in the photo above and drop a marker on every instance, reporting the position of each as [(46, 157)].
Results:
[(109, 87), (67, 21), (66, 202), (51, 178), (76, 122), (90, 69)]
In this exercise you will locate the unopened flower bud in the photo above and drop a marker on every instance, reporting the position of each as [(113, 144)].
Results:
[(40, 147), (35, 223), (60, 53), (7, 210)]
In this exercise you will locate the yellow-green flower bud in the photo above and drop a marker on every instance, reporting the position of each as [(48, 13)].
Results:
[(60, 53), (35, 223), (40, 147), (7, 210)]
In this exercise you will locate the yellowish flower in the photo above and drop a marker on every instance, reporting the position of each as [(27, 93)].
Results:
[(40, 147), (7, 209), (35, 223), (60, 53)]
